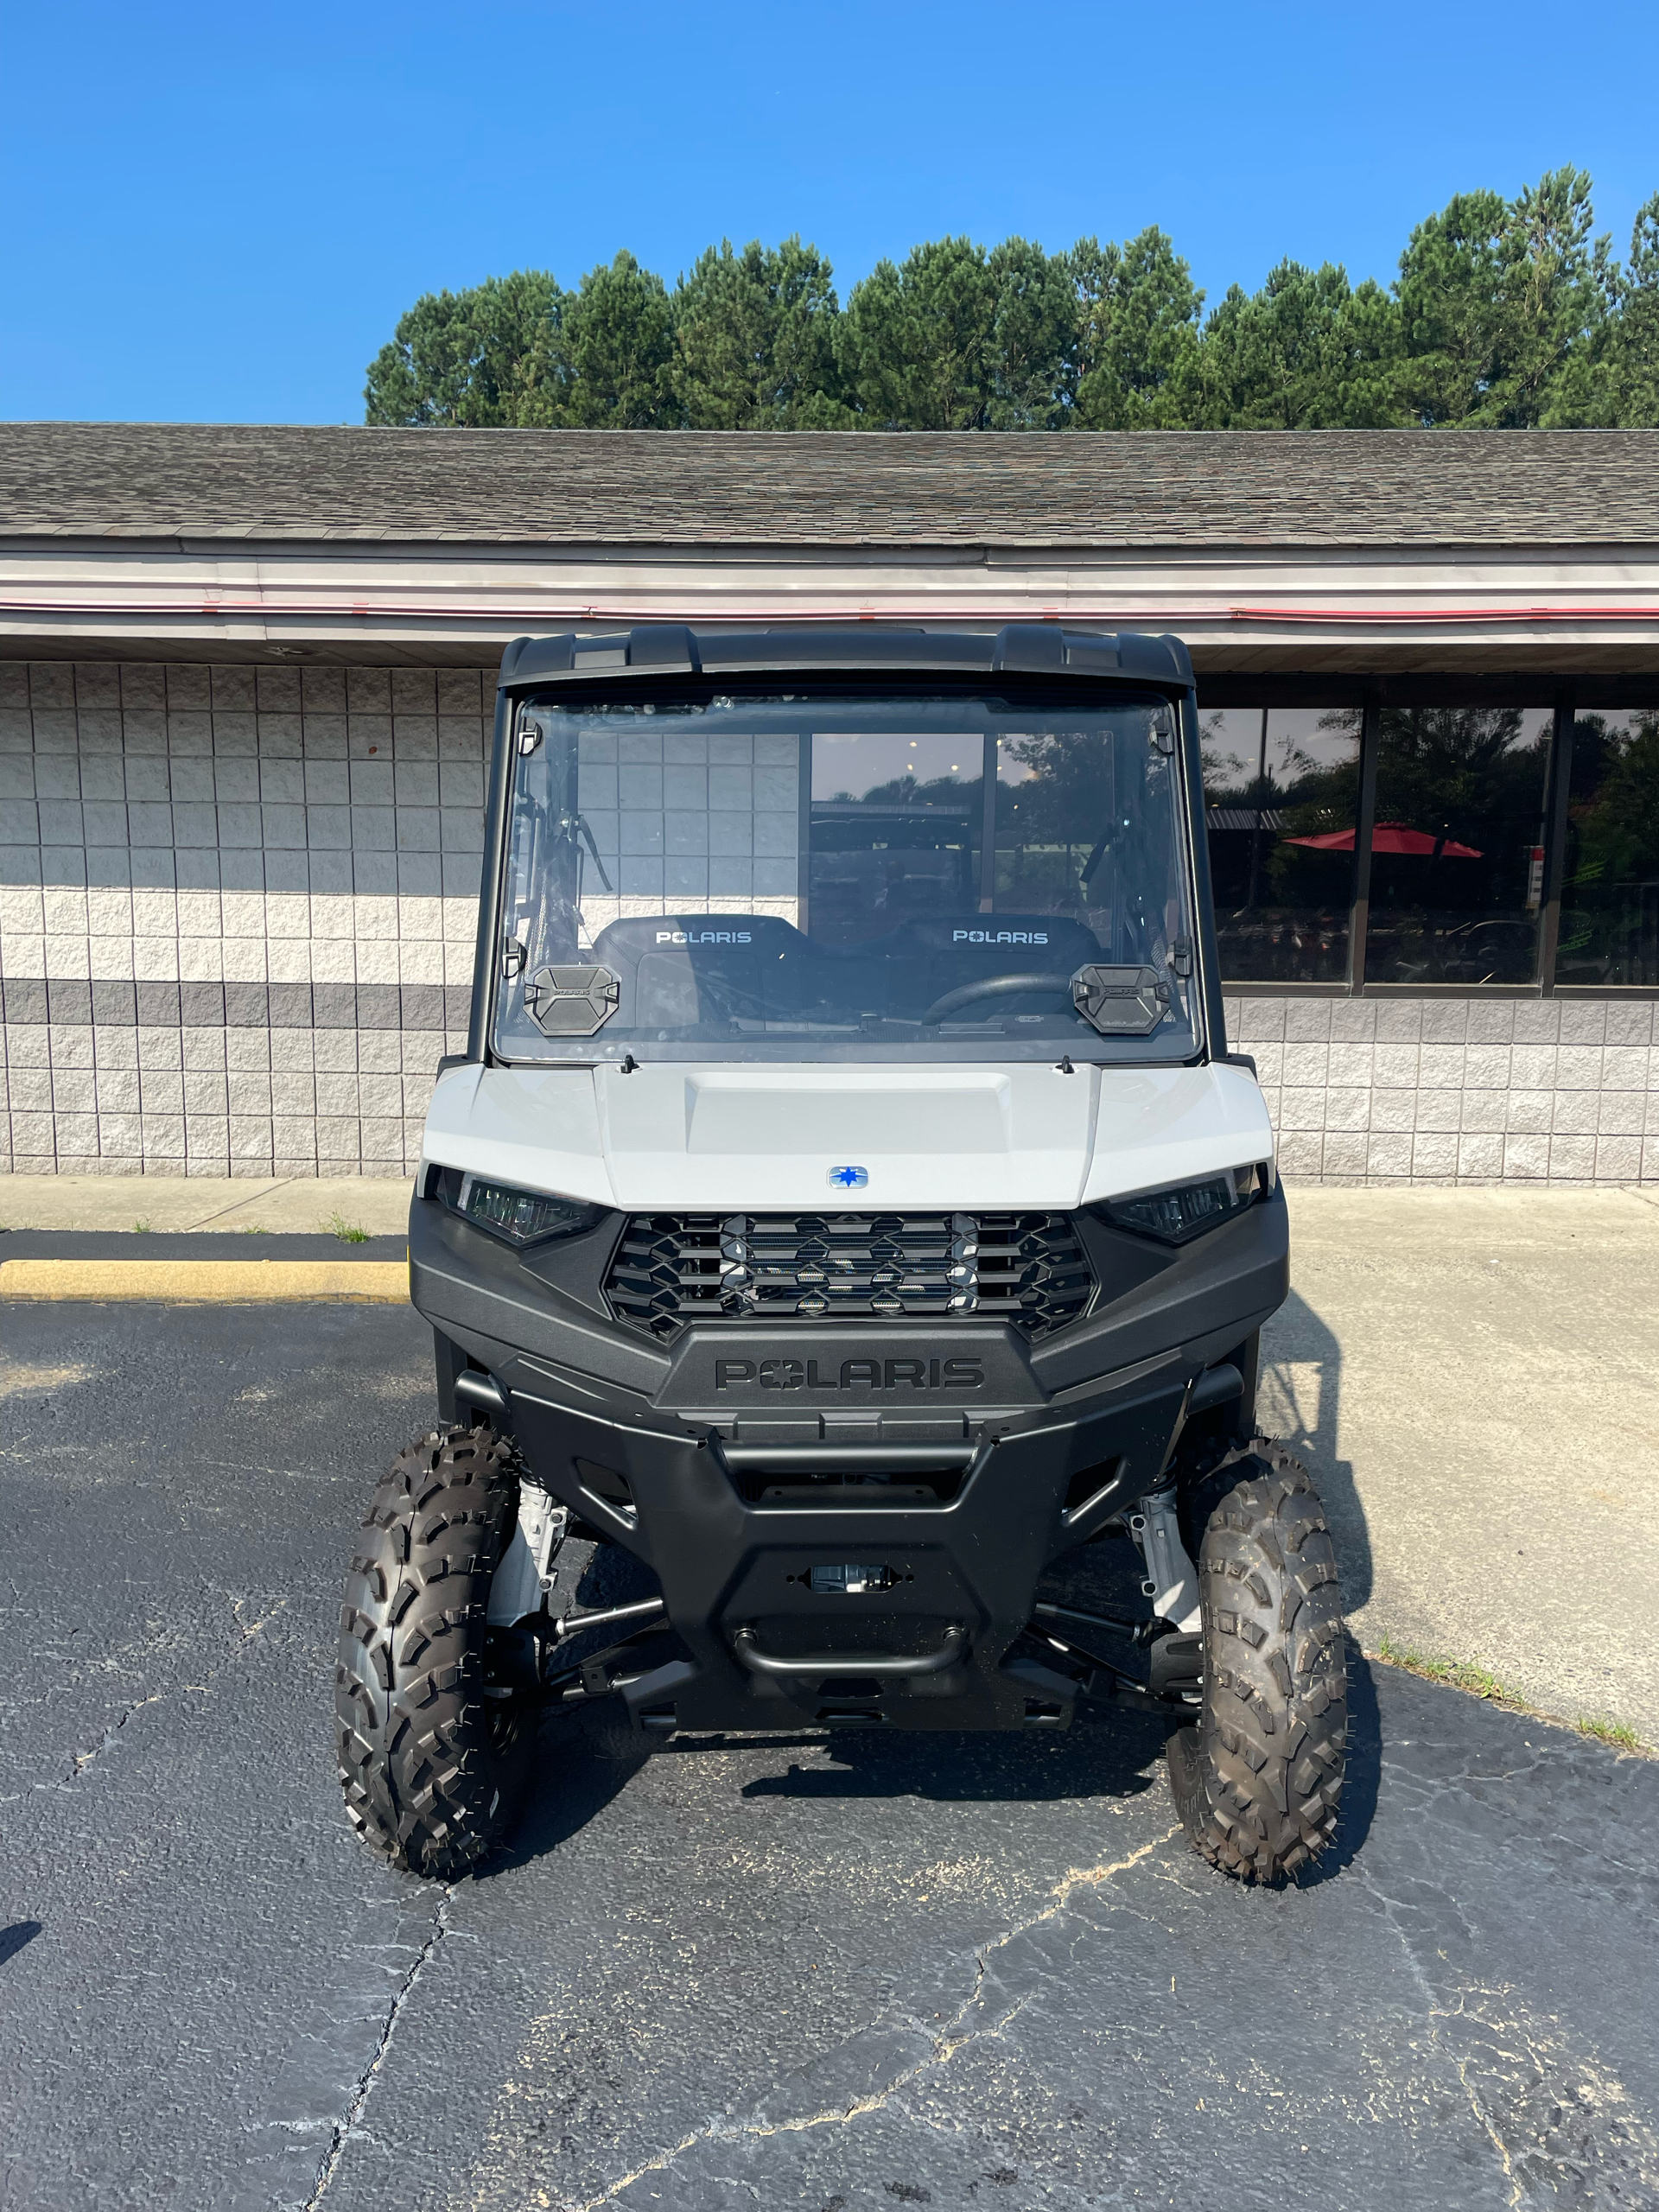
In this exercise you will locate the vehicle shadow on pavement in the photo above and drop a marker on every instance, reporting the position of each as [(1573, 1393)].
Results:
[(1103, 1754), (1298, 1401), (1117, 1755), (587, 1760), (584, 1761)]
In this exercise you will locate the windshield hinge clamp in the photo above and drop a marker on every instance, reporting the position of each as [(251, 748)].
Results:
[(1180, 957)]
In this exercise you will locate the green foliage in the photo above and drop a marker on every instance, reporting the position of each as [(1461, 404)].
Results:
[(1458, 1673), (1033, 337), (917, 341), (1615, 1733), (1506, 306), (1312, 796), (1617, 826), (1506, 314), (755, 340), (1306, 353), (1632, 374), (1068, 787), (1138, 347), (1460, 770), (479, 358), (615, 352), (1480, 1681)]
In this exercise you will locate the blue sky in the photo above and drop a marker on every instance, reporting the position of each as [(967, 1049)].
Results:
[(218, 213)]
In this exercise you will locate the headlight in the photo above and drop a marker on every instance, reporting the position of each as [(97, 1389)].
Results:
[(1176, 1216), (518, 1216)]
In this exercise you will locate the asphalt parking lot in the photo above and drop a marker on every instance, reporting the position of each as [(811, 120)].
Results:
[(833, 1974)]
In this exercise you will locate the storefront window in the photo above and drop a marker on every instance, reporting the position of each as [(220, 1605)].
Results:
[(1281, 792), (1609, 889), (1458, 853)]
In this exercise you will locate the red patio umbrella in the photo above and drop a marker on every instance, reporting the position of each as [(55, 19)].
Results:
[(1390, 837)]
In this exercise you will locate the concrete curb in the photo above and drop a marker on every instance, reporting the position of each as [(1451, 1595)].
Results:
[(198, 1282)]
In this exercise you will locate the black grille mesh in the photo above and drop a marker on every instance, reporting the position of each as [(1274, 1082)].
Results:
[(1027, 1268)]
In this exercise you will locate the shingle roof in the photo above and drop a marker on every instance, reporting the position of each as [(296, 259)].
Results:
[(1083, 489)]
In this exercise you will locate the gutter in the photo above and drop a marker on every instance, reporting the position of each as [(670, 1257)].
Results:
[(1444, 614), (220, 609)]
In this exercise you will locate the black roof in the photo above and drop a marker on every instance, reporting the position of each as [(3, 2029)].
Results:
[(1339, 488), (658, 649)]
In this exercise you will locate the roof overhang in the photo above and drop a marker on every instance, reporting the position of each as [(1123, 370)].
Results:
[(1242, 608)]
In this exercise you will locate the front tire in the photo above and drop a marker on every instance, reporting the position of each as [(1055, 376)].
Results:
[(433, 1753), (1258, 1779)]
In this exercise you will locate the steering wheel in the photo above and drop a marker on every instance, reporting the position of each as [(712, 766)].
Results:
[(994, 987)]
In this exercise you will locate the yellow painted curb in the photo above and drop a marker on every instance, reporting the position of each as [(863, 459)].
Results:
[(197, 1282)]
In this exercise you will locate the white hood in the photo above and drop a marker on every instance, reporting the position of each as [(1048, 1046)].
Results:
[(690, 1138)]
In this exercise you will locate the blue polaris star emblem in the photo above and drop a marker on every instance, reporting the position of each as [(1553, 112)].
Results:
[(849, 1179)]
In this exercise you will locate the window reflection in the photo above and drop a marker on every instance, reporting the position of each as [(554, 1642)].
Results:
[(1457, 855), (896, 829), (1458, 860), (1281, 788), (1084, 818), (1610, 890)]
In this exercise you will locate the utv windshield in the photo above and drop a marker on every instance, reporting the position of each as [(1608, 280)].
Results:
[(873, 878)]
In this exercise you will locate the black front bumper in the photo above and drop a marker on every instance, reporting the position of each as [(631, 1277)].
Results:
[(948, 1463)]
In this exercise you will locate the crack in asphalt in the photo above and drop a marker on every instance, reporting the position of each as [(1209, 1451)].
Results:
[(1437, 2013), (944, 2048), (362, 2089), (252, 1628), (943, 2043), (80, 1761)]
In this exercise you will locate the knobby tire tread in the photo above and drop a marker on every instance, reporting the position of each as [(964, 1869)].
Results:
[(432, 1769), (1258, 1781)]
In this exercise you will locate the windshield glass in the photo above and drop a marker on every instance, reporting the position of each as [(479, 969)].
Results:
[(845, 878)]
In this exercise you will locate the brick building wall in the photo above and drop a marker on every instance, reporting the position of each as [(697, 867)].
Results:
[(1464, 1089), (236, 914)]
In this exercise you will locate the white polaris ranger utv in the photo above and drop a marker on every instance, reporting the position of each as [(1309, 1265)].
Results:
[(847, 1204)]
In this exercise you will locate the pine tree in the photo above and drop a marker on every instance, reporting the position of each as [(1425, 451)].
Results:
[(478, 358), (1631, 387), (1033, 338), (755, 339), (1306, 353), (615, 352), (917, 340), (1137, 314), (1505, 307), (1505, 313)]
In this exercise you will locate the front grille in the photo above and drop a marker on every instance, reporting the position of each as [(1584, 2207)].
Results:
[(1028, 1269)]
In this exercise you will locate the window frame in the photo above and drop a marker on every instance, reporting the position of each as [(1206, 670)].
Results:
[(1565, 697)]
